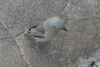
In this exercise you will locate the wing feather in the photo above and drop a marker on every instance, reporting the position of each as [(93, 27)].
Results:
[(37, 30)]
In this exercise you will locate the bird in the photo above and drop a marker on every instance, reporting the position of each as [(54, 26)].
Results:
[(46, 30)]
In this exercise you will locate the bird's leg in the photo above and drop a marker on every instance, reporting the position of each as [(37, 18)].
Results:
[(38, 47)]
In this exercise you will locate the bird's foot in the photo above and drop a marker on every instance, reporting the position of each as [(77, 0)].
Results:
[(40, 50)]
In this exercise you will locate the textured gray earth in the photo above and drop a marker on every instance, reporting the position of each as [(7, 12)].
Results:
[(77, 47)]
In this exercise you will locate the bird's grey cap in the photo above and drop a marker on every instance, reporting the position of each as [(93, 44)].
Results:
[(57, 22)]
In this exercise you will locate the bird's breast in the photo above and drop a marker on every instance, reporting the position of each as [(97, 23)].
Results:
[(50, 31), (50, 34)]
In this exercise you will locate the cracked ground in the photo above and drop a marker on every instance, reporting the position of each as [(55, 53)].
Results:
[(68, 49)]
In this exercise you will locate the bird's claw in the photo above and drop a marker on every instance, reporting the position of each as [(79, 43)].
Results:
[(40, 50)]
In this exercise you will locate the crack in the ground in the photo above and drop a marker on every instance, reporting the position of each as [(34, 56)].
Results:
[(72, 14), (22, 52), (65, 5), (6, 27), (19, 34), (79, 6)]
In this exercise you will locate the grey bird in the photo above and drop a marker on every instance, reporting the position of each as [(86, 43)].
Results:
[(47, 30)]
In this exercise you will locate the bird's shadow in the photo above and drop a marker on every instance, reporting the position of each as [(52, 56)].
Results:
[(32, 44)]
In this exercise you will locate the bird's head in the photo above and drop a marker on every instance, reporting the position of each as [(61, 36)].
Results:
[(57, 23)]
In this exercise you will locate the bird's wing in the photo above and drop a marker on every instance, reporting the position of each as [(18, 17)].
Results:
[(37, 30), (40, 28), (35, 33)]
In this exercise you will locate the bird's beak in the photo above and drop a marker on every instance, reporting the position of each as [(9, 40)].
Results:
[(65, 29)]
